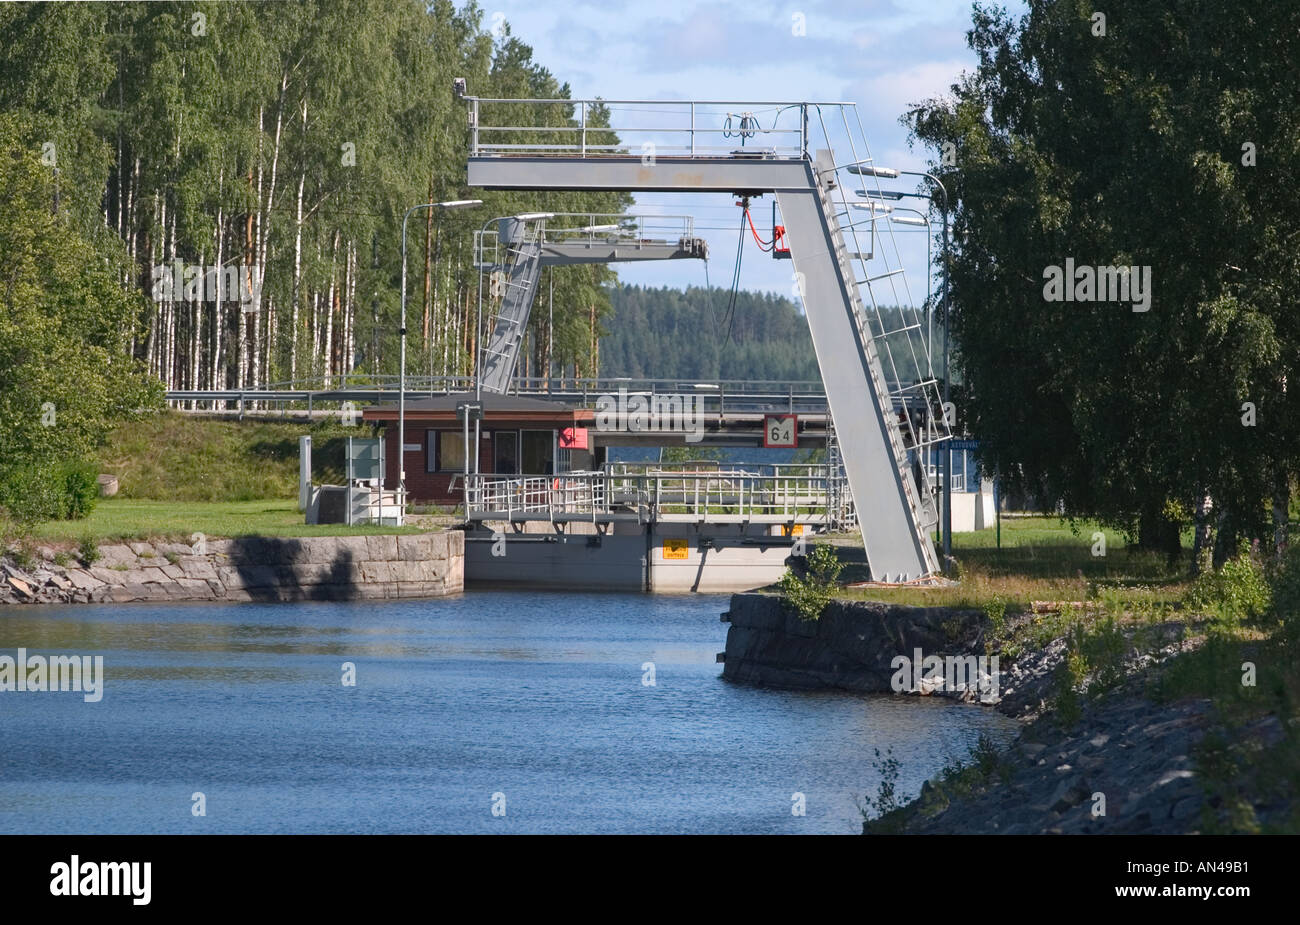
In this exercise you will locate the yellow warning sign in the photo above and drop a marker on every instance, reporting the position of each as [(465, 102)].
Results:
[(793, 530), (676, 549)]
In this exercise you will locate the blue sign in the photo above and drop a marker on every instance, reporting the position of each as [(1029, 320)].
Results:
[(964, 444)]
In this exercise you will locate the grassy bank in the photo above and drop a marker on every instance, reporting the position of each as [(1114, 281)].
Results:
[(1041, 558), (116, 519), (178, 457)]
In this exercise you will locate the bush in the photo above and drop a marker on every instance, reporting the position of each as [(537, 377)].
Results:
[(808, 596), (80, 488), (88, 551), (31, 495), (64, 491), (1235, 593)]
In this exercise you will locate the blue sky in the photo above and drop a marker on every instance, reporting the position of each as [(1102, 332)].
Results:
[(881, 54)]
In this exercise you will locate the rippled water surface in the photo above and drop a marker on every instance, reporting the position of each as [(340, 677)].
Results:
[(533, 699)]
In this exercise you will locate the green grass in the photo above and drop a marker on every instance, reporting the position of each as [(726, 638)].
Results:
[(116, 519), (1042, 559), (178, 457)]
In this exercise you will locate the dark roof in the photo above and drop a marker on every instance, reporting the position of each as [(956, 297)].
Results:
[(491, 401)]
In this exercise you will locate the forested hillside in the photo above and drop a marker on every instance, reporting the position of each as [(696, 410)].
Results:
[(673, 334)]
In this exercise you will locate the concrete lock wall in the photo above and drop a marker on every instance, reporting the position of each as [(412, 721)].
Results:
[(252, 569), (665, 557)]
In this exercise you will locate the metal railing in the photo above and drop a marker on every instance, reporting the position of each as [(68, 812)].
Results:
[(720, 395), (679, 128), (714, 495)]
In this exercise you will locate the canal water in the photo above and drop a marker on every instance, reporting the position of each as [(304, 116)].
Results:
[(495, 711)]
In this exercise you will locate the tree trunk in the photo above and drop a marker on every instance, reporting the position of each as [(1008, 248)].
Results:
[(1281, 510), (1203, 535)]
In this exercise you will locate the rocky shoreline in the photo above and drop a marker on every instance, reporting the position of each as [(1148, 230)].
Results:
[(243, 569), (1121, 761)]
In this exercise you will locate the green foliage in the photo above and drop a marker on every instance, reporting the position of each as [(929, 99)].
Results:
[(885, 805), (80, 489), (1285, 584), (670, 333), (66, 322), (229, 146), (24, 554), (31, 494), (88, 551), (1072, 146), (1234, 594), (179, 457), (995, 612), (54, 491), (809, 595)]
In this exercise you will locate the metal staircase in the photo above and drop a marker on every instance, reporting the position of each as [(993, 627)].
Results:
[(522, 240), (522, 245)]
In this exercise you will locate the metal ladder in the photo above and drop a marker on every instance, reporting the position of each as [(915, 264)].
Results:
[(916, 504), (523, 268), (840, 513)]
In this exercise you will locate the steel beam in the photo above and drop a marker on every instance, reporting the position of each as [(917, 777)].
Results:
[(888, 502)]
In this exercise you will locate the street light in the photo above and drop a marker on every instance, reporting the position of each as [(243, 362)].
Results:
[(401, 386), (868, 170)]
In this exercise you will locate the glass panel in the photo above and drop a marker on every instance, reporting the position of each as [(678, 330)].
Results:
[(537, 448), (506, 452), (451, 451)]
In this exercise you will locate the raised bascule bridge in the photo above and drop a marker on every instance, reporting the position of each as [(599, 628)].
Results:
[(807, 156)]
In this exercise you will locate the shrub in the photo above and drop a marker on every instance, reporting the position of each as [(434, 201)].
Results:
[(80, 487), (1235, 593), (24, 554), (808, 596), (32, 494), (88, 551)]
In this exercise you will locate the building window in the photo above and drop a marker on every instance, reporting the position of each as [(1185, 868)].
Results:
[(505, 455), (445, 451), (538, 452)]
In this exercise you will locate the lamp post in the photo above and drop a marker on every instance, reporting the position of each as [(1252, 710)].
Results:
[(945, 455), (922, 222), (401, 386)]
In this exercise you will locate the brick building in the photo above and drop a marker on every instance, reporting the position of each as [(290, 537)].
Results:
[(517, 436)]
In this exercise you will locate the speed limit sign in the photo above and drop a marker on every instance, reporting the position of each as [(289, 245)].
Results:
[(780, 430)]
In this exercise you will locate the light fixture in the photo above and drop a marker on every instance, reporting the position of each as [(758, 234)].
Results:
[(866, 170)]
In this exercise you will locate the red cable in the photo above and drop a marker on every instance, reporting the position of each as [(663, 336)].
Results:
[(762, 245)]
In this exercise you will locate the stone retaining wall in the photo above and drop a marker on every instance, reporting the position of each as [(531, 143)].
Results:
[(248, 569), (850, 647)]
